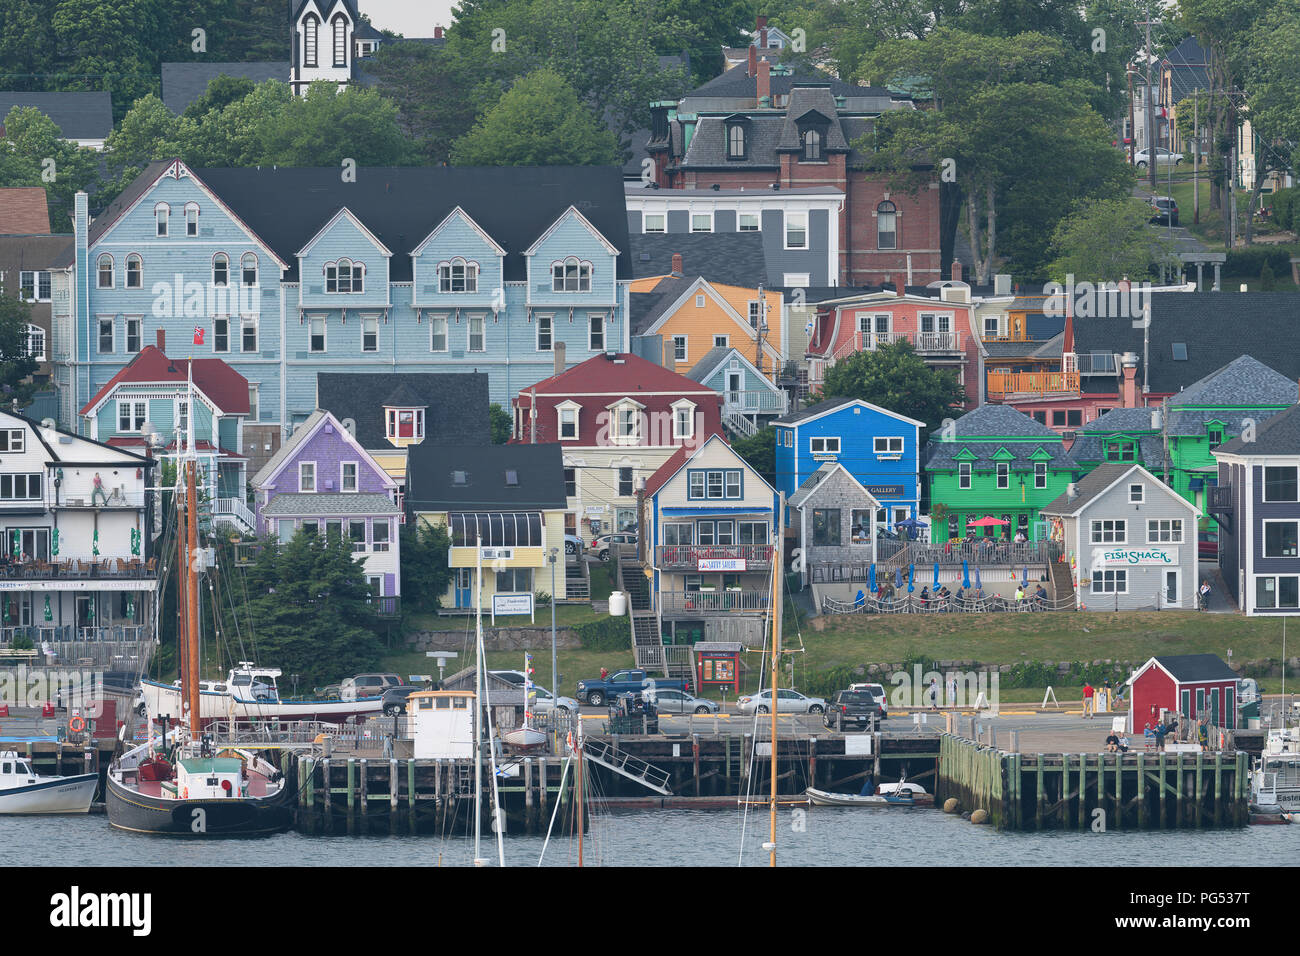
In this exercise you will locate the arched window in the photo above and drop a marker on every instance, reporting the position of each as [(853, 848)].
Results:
[(735, 141), (458, 276), (310, 27), (345, 276), (134, 267), (221, 269), (104, 272), (248, 268), (191, 219), (886, 226), (340, 24), (161, 213), (812, 145), (571, 276)]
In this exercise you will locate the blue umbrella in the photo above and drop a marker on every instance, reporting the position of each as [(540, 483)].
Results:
[(898, 577), (936, 575), (911, 578), (1024, 578), (979, 585), (965, 574), (872, 579), (858, 601)]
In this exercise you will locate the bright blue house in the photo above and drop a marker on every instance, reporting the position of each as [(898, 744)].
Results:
[(284, 273), (878, 447)]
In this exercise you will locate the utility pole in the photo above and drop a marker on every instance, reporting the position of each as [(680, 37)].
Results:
[(1151, 112), (761, 330), (1196, 157), (1132, 130)]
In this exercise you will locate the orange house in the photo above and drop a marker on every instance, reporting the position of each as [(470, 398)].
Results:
[(695, 316)]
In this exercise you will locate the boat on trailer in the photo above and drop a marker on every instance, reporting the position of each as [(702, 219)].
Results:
[(22, 791), (251, 693)]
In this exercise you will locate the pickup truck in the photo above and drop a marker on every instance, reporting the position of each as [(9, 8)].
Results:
[(598, 691), (854, 707)]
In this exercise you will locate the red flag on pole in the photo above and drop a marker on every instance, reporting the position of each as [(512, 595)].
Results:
[(198, 335)]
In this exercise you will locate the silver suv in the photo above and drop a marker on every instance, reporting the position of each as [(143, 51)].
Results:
[(368, 685)]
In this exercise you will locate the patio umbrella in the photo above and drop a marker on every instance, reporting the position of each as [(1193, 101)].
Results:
[(979, 585), (54, 544), (898, 577), (49, 615), (1024, 577), (936, 575), (911, 578), (986, 522), (871, 578), (965, 575), (135, 542), (94, 544)]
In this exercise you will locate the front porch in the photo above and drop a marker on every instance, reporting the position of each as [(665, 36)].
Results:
[(735, 558)]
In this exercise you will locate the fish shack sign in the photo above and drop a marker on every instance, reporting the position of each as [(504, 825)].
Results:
[(1142, 557)]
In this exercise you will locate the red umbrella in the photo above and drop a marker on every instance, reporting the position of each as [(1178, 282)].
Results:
[(986, 523)]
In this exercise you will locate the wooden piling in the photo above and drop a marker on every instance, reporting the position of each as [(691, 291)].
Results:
[(1179, 805), (1200, 792), (1218, 789), (1083, 791), (394, 787), (528, 794), (410, 793), (1041, 795), (365, 786), (1142, 791), (812, 761), (695, 760)]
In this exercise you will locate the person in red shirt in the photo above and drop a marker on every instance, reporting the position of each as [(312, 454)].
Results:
[(1087, 699)]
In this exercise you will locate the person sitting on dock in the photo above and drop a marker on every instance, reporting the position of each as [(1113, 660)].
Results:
[(1112, 743)]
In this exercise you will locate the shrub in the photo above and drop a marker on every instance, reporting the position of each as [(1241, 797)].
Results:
[(607, 634), (1266, 281), (1249, 262)]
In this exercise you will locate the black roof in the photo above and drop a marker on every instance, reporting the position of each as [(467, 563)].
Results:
[(77, 115), (184, 83), (1279, 435), (731, 258), (431, 469), (456, 404), (401, 205), (737, 82), (1213, 325), (1197, 667)]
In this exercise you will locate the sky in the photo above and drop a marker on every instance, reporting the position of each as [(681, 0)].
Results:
[(412, 18)]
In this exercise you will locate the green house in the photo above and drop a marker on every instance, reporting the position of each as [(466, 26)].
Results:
[(1175, 440), (994, 462)]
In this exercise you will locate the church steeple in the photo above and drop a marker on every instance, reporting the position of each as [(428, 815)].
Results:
[(323, 42)]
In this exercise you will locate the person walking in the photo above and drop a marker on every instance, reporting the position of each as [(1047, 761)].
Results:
[(1087, 699), (934, 694)]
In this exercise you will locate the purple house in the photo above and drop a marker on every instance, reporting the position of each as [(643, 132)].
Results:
[(322, 480)]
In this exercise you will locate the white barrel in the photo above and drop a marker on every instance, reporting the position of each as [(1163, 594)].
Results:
[(617, 603)]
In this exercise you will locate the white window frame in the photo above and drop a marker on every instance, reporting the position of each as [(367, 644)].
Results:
[(702, 215), (680, 350), (367, 321), (756, 216), (1277, 592), (1117, 533), (138, 260), (470, 320), (191, 219), (1002, 472), (688, 407), (161, 217), (795, 216), (1107, 581), (139, 334), (223, 258), (661, 220), (36, 295), (1263, 537), (356, 281), (1263, 490), (884, 444), (112, 336), (254, 404), (581, 275), (1140, 490), (312, 320), (561, 410), (436, 322), (137, 413), (964, 475), (632, 436), (1164, 531), (343, 477), (244, 269), (825, 441), (376, 545), (549, 319), (722, 341), (35, 341), (879, 216), (1040, 474), (447, 280), (247, 322), (181, 414), (304, 475), (100, 260), (592, 319)]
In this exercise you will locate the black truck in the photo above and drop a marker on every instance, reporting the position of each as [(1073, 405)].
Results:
[(853, 708)]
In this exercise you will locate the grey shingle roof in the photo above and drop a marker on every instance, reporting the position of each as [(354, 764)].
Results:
[(1088, 487), (1280, 435), (736, 82), (184, 83), (1187, 64), (1197, 667), (712, 358), (709, 143), (1089, 447), (942, 455), (998, 421), (327, 503), (804, 100), (77, 115), (456, 409), (1243, 381), (430, 469), (1214, 325), (827, 404), (732, 258)]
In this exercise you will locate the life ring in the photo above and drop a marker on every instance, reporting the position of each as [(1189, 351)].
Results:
[(76, 725)]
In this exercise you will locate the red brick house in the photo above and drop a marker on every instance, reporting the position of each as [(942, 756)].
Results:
[(758, 126), (618, 417)]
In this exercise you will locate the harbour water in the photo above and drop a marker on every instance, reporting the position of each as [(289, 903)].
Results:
[(824, 836)]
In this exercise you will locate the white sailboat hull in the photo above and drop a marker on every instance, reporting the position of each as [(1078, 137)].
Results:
[(165, 699), (51, 795)]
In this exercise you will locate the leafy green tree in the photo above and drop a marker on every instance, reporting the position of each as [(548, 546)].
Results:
[(34, 153), (539, 122), (221, 92), (15, 363), (434, 99), (425, 573), (1106, 239), (499, 424), (1272, 65), (894, 377), (759, 452), (709, 26)]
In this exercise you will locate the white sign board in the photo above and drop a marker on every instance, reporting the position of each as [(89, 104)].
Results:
[(1141, 557), (858, 743), (498, 554), (506, 604), (720, 564)]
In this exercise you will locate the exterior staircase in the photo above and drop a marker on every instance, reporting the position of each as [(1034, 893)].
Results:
[(234, 513), (1062, 582), (577, 586), (646, 774), (734, 419), (647, 643)]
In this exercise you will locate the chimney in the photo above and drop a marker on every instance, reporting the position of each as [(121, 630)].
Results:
[(1071, 491), (162, 341), (753, 62), (762, 32), (558, 347), (956, 271), (1128, 395), (438, 33), (899, 289), (677, 263), (670, 355), (764, 83), (1001, 284)]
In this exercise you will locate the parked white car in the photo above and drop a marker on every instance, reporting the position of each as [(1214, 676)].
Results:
[(670, 701), (787, 702), (545, 701), (1163, 158)]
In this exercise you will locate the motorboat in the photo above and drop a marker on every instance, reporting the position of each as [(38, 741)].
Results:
[(23, 791), (251, 693), (1275, 781), (823, 798)]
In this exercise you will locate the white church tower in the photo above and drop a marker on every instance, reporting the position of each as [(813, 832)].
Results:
[(323, 47)]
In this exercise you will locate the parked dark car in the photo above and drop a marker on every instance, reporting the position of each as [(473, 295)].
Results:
[(1207, 545), (394, 699), (853, 708), (1164, 210)]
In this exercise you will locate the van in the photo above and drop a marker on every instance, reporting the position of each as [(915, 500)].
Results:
[(367, 685)]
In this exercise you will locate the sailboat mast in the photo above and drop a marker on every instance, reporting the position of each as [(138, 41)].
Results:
[(478, 699), (580, 756), (191, 537), (777, 569)]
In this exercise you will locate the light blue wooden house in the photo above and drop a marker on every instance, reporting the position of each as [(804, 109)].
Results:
[(749, 398)]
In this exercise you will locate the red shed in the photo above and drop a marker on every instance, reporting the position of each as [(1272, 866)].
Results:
[(1190, 685)]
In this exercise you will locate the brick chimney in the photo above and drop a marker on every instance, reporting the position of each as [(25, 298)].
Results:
[(956, 271), (1128, 394), (677, 263), (762, 32), (753, 62), (558, 348), (162, 341), (438, 33), (764, 83)]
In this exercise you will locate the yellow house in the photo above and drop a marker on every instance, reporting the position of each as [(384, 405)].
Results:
[(503, 507), (695, 316)]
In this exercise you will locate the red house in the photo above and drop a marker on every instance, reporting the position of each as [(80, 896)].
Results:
[(1189, 685), (619, 417)]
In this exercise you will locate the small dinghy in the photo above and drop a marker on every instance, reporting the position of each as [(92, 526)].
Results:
[(22, 791), (821, 798)]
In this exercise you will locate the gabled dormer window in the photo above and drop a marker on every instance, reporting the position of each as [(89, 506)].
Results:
[(568, 420), (404, 424), (812, 145), (1214, 432), (458, 276), (683, 420), (161, 213), (626, 422), (571, 275), (344, 276)]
